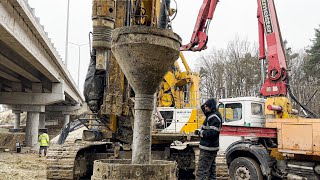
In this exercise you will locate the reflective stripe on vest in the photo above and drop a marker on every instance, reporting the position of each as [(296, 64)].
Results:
[(212, 127), (214, 115), (209, 148)]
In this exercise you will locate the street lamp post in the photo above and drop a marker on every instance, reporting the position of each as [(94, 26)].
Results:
[(67, 36), (79, 54)]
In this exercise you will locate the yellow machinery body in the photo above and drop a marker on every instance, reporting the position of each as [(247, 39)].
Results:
[(180, 90), (284, 103), (113, 118), (297, 137), (275, 119), (195, 121), (107, 15)]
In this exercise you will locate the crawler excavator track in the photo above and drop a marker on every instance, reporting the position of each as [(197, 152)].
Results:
[(221, 167), (69, 160), (65, 162)]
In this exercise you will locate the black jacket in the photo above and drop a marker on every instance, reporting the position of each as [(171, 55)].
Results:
[(210, 130)]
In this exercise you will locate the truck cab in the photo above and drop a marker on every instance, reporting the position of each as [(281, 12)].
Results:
[(242, 111)]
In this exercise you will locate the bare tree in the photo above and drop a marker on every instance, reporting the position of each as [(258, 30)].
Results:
[(231, 72), (212, 71), (303, 86), (235, 72)]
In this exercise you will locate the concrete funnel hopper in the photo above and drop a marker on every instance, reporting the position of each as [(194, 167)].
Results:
[(145, 55)]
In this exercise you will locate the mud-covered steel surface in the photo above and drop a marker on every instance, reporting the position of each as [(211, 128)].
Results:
[(144, 55), (28, 166), (94, 86), (238, 148), (62, 160), (123, 169), (141, 145), (221, 167)]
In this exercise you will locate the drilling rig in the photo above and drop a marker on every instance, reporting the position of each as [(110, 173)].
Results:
[(117, 91)]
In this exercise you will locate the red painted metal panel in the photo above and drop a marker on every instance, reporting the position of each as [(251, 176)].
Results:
[(248, 131)]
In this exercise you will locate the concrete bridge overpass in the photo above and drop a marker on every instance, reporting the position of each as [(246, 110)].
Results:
[(33, 78)]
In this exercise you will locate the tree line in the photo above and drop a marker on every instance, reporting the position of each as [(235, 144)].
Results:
[(235, 71)]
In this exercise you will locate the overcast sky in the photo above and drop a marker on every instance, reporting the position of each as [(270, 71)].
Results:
[(297, 19)]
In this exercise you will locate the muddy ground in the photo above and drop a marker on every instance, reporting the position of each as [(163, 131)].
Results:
[(29, 166), (22, 166)]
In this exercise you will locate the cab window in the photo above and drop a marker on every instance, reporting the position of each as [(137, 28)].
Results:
[(256, 109), (168, 117), (233, 112), (221, 111)]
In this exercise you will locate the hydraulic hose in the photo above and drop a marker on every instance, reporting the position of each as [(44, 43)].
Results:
[(311, 114)]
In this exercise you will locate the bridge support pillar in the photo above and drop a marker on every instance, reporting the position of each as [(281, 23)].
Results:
[(66, 118), (42, 122), (17, 120), (16, 125), (32, 128), (33, 117)]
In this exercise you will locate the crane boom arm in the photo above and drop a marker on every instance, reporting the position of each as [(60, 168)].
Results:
[(199, 37), (275, 83)]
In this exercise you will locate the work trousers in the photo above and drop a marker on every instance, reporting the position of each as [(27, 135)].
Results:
[(44, 148), (207, 165)]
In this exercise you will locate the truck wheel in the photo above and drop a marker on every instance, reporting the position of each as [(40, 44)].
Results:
[(243, 168)]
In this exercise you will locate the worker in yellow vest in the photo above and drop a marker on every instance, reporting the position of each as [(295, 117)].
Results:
[(44, 143)]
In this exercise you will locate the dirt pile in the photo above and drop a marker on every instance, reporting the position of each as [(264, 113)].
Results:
[(8, 140)]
